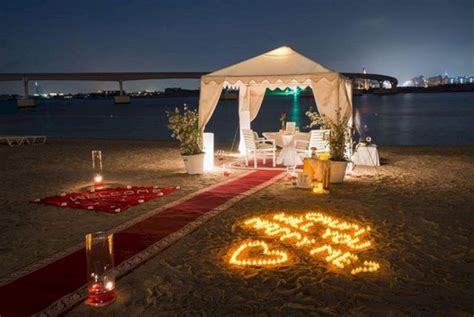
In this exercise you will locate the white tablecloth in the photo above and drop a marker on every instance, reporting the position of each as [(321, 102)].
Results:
[(366, 155), (277, 136), (288, 155)]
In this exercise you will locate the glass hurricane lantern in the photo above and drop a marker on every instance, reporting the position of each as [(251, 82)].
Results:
[(100, 262), (97, 166)]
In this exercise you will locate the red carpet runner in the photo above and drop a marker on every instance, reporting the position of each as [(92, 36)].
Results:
[(112, 200), (55, 286)]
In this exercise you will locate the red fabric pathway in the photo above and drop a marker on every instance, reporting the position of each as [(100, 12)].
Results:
[(112, 200), (37, 290)]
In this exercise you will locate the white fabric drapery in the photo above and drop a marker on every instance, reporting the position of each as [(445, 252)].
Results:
[(208, 99), (257, 92), (280, 68)]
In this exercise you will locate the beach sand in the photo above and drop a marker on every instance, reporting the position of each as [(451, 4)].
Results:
[(419, 205)]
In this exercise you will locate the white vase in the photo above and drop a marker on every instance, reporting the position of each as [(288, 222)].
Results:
[(194, 164), (338, 171)]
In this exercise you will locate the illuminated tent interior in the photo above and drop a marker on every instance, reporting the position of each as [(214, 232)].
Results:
[(280, 68)]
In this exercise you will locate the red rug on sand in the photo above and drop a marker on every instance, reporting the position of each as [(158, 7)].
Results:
[(56, 284), (268, 164), (113, 200)]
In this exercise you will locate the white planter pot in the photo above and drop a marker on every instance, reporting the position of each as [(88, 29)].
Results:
[(338, 171), (194, 164)]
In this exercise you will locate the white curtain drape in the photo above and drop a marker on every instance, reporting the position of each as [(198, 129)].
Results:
[(326, 97), (244, 113), (208, 99), (331, 94), (348, 90), (257, 92), (250, 101)]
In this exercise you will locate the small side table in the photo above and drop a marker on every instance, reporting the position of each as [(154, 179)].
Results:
[(366, 154)]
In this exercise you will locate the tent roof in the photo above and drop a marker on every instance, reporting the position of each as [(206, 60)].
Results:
[(281, 63), (279, 68)]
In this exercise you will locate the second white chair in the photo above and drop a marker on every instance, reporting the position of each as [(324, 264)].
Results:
[(318, 139), (290, 127), (258, 146)]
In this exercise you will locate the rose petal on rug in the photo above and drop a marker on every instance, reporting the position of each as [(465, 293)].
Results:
[(111, 200)]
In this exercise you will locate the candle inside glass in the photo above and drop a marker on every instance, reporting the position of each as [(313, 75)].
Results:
[(97, 166), (100, 261), (227, 171), (291, 172)]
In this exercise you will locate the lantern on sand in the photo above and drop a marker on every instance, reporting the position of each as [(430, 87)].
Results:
[(227, 171), (322, 174), (100, 261), (97, 166)]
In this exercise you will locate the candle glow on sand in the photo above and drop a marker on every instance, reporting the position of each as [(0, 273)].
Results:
[(268, 257), (331, 239)]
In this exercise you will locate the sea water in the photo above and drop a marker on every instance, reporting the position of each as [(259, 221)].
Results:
[(402, 119)]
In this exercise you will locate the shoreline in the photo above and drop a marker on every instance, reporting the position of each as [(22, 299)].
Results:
[(225, 144), (231, 96)]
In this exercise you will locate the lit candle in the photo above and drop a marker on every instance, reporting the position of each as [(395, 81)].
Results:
[(98, 178), (318, 188), (338, 242), (97, 166), (227, 172), (100, 262)]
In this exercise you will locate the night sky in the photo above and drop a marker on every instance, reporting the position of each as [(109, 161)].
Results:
[(397, 38)]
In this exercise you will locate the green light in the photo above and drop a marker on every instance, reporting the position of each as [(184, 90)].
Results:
[(292, 91)]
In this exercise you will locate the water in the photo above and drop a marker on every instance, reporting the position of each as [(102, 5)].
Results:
[(403, 119)]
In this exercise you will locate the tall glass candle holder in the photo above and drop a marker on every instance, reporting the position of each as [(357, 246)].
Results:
[(227, 171), (100, 261), (97, 166)]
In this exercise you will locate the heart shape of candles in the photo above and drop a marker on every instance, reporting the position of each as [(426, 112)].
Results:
[(241, 256)]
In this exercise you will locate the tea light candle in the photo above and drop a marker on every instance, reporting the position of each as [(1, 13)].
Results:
[(98, 178), (318, 188)]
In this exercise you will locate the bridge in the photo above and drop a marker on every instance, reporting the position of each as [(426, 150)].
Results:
[(120, 77), (377, 77)]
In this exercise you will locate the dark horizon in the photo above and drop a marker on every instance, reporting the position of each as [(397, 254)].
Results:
[(403, 39)]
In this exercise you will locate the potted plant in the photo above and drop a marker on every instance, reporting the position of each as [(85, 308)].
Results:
[(184, 127), (337, 141)]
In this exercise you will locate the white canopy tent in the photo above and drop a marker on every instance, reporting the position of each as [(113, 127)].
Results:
[(280, 68)]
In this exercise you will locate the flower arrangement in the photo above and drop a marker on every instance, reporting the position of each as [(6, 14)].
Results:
[(315, 120), (184, 127), (339, 132)]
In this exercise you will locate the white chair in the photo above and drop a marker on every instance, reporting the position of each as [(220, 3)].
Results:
[(318, 139), (255, 146), (290, 127), (260, 139)]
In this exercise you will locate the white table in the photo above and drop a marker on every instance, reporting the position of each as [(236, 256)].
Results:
[(277, 136), (288, 155), (366, 155)]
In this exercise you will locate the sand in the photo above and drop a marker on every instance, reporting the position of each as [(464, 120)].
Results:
[(419, 205), (31, 232)]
